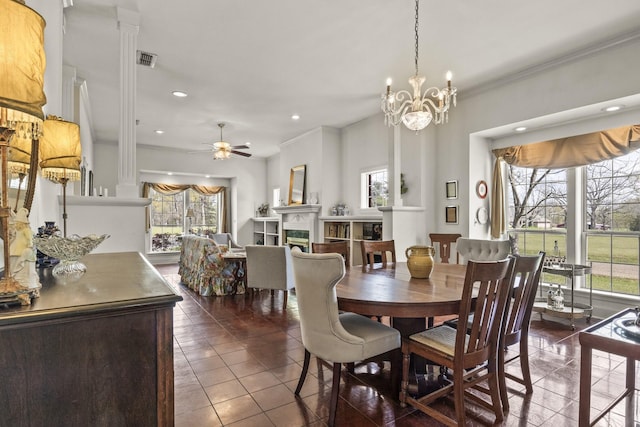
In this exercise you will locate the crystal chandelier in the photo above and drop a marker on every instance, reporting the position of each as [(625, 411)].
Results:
[(417, 110)]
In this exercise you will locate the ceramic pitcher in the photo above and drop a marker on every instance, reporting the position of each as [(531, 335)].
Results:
[(420, 261)]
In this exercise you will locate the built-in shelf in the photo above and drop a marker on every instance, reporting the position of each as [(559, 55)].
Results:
[(352, 229), (265, 231)]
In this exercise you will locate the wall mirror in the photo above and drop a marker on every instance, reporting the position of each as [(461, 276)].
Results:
[(297, 179)]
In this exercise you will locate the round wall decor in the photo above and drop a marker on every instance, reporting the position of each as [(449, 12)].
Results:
[(482, 189), (482, 215)]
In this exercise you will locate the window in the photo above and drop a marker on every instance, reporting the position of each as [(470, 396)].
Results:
[(375, 188), (612, 223), (610, 238), (537, 209), (172, 216)]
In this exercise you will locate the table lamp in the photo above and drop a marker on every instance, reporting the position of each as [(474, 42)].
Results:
[(20, 162), (22, 64), (60, 156)]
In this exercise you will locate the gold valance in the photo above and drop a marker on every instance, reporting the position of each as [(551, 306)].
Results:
[(573, 151)]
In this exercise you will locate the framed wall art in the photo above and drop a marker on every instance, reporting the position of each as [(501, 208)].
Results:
[(451, 215), (452, 189)]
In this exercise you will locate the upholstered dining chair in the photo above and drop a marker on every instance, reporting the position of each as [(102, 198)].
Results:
[(269, 267), (444, 243), (225, 239), (482, 250), (328, 335), (341, 247), (468, 358), (369, 248), (526, 278)]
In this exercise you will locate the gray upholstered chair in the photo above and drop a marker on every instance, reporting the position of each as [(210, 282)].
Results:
[(331, 336), (482, 250), (225, 239), (269, 267)]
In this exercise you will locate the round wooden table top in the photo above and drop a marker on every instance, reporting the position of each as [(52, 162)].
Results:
[(393, 292)]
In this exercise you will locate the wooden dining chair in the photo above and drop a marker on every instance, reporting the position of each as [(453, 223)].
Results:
[(526, 277), (341, 247), (371, 248), (468, 359), (444, 242)]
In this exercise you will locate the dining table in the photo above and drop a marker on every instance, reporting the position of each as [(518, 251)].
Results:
[(406, 300)]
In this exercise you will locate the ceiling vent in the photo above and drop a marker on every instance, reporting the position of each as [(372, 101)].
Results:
[(146, 59)]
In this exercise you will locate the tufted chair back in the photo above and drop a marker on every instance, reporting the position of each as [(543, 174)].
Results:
[(482, 250)]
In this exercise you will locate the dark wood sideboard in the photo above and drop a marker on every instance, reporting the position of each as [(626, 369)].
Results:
[(97, 351)]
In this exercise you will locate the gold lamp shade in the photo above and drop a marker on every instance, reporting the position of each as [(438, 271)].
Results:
[(60, 150), (22, 64), (19, 154)]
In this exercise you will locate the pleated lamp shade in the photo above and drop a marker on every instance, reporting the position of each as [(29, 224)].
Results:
[(60, 150), (22, 65), (19, 155)]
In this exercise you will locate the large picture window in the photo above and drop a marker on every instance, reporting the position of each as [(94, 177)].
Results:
[(610, 237), (175, 212)]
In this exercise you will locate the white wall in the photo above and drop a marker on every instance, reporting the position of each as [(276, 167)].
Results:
[(246, 175)]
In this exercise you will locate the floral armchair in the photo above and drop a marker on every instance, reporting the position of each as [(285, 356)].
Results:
[(203, 268)]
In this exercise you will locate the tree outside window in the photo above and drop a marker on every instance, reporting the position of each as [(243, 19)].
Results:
[(186, 212)]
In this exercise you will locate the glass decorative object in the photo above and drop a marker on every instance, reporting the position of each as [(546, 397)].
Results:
[(68, 250)]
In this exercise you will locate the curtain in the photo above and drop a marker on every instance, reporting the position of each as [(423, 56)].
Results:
[(573, 151), (498, 211), (560, 153), (171, 189)]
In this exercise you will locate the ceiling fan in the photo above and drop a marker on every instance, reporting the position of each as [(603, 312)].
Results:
[(223, 150)]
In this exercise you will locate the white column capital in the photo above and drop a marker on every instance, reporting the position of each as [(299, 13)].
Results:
[(128, 20)]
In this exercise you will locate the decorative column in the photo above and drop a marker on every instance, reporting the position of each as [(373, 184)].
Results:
[(128, 24), (68, 93)]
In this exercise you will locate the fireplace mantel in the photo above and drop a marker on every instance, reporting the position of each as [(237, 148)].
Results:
[(297, 209), (299, 218)]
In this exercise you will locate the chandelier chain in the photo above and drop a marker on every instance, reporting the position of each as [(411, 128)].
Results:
[(416, 29)]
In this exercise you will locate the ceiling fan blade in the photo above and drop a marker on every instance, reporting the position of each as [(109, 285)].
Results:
[(200, 151), (240, 153), (240, 147)]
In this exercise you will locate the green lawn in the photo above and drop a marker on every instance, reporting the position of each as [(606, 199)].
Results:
[(621, 250)]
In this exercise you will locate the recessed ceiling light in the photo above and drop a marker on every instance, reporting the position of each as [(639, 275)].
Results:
[(612, 108), (169, 173), (179, 93), (520, 129), (207, 176), (159, 131), (295, 117)]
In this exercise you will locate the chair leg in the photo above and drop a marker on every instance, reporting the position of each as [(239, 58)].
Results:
[(406, 359), (524, 364), (502, 379), (335, 388), (303, 374), (458, 396), (284, 303)]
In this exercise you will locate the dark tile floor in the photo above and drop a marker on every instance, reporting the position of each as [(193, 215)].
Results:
[(238, 359)]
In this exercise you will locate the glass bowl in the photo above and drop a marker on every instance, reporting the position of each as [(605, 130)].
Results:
[(68, 250)]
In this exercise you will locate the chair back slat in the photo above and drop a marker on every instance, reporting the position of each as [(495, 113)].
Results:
[(444, 243), (369, 248), (526, 277), (484, 298), (341, 248)]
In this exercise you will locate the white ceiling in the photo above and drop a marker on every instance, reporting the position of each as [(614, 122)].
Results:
[(252, 64)]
